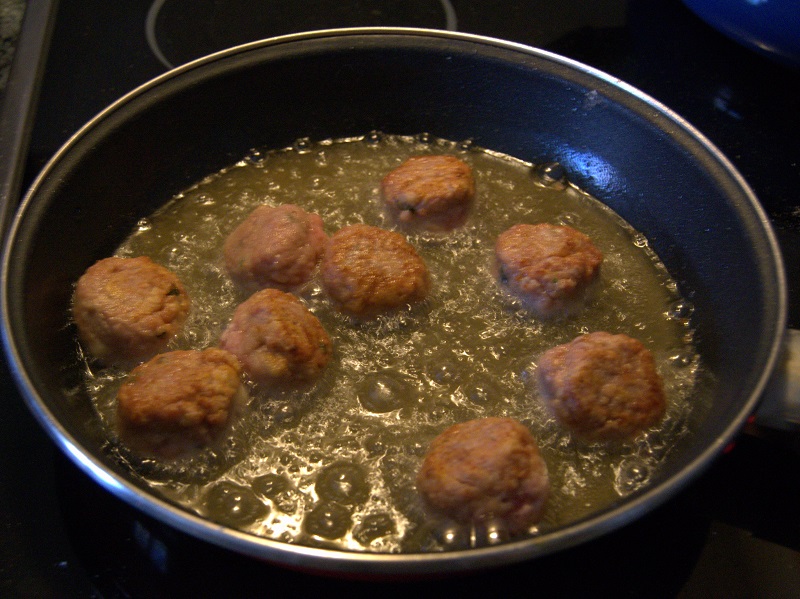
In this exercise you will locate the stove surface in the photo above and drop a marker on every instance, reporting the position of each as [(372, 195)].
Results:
[(735, 532)]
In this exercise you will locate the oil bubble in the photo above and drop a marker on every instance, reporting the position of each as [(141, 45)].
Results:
[(384, 392), (375, 446), (374, 137), (374, 526), (343, 482), (285, 414), (234, 504), (279, 490), (443, 373), (328, 521), (682, 359), (452, 535), (680, 310), (483, 393), (254, 156), (321, 160), (271, 485), (639, 240), (630, 475), (492, 532), (302, 145), (550, 174), (569, 219)]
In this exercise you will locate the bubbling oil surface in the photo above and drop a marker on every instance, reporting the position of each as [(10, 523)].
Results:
[(334, 465)]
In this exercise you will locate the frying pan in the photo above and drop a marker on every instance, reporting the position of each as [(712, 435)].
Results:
[(626, 149)]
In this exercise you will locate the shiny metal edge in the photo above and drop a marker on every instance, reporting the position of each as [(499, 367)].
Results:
[(387, 565)]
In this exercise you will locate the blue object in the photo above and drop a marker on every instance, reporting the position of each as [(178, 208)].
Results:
[(771, 27)]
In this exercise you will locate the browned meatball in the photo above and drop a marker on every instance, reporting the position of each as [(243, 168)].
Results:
[(602, 386), (367, 270), (277, 339), (178, 401), (128, 309), (275, 247), (549, 267), (486, 469), (433, 192)]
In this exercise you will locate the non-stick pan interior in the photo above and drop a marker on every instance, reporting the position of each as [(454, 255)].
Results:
[(641, 160)]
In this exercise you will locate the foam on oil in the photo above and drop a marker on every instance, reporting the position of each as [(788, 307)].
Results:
[(334, 465)]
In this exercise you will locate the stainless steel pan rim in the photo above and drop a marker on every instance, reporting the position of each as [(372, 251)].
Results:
[(346, 562)]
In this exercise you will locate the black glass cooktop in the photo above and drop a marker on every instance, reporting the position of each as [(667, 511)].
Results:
[(735, 532)]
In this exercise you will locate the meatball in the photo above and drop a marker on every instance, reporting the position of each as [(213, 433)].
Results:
[(367, 270), (128, 309), (602, 386), (275, 247), (486, 469), (178, 401), (433, 192), (277, 339), (549, 267)]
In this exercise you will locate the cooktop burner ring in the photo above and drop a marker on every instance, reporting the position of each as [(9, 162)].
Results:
[(178, 31)]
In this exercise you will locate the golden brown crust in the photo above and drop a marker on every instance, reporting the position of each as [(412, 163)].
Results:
[(128, 309), (602, 386), (367, 270), (277, 339), (276, 246), (486, 469), (549, 267), (434, 192), (178, 400)]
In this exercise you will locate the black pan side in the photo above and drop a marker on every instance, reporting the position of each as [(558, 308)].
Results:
[(641, 160)]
